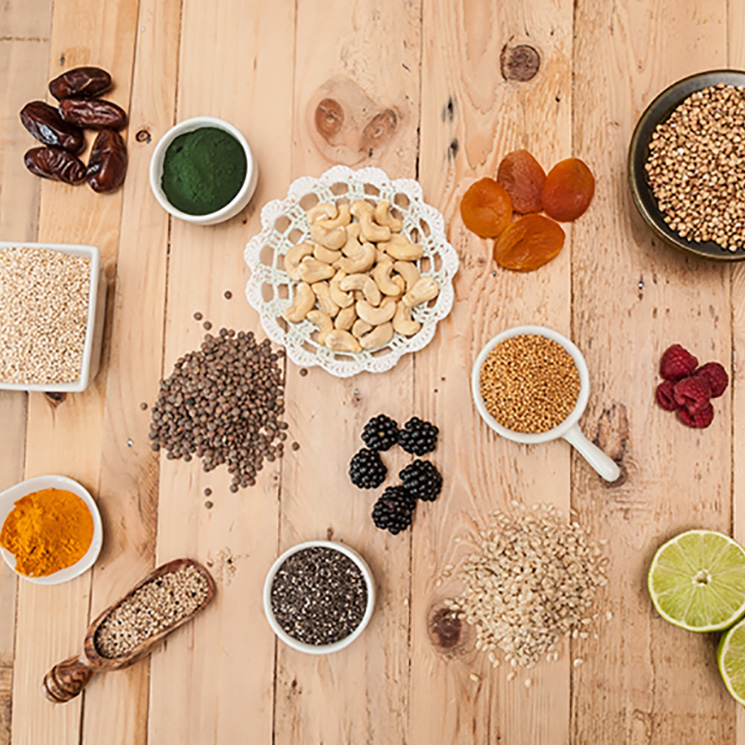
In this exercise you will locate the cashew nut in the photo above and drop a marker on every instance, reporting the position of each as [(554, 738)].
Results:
[(384, 217), (425, 289), (341, 220), (333, 239), (382, 276), (339, 340), (374, 315), (324, 211), (362, 282), (293, 258), (311, 270), (378, 336), (341, 298), (360, 328), (363, 211), (353, 245), (322, 292), (361, 261), (324, 323), (346, 318), (402, 323), (401, 248), (408, 271), (381, 256), (326, 255), (303, 301)]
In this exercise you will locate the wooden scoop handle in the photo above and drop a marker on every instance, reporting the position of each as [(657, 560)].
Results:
[(66, 680)]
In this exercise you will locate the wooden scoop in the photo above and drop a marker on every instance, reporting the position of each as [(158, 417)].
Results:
[(67, 679)]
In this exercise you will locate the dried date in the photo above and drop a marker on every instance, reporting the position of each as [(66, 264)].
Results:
[(92, 113), (108, 162), (45, 123), (55, 163), (83, 82)]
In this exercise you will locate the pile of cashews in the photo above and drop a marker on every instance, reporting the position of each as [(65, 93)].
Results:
[(357, 279)]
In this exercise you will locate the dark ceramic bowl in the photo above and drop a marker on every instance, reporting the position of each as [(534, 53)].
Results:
[(645, 202)]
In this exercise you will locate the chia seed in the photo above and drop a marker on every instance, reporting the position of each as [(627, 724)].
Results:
[(319, 596)]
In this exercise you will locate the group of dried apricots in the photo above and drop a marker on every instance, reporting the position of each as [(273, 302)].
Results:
[(522, 186)]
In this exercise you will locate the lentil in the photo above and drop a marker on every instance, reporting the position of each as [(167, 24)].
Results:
[(44, 301), (694, 167), (223, 403), (152, 608), (319, 596), (530, 583), (529, 383)]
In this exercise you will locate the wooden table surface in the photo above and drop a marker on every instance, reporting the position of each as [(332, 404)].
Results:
[(420, 88)]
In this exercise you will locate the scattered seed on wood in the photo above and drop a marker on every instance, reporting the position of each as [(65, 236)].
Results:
[(208, 504), (143, 406), (319, 596), (296, 446), (207, 492), (156, 606), (223, 403), (198, 316), (303, 372), (529, 383), (44, 318), (206, 325), (228, 294)]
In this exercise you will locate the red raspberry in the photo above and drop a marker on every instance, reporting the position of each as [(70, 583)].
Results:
[(693, 393), (717, 377), (677, 363), (700, 420), (665, 396)]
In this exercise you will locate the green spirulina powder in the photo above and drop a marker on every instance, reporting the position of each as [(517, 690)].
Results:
[(203, 170)]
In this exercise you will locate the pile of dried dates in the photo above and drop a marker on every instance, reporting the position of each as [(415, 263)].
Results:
[(61, 131)]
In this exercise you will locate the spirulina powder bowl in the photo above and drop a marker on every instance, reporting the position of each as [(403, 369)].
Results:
[(319, 596), (203, 171)]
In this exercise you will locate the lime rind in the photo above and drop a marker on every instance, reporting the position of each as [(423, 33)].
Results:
[(731, 661), (714, 606)]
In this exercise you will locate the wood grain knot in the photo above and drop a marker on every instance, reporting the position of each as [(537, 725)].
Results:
[(445, 629), (612, 434), (379, 129), (54, 399), (329, 118), (143, 136), (520, 63)]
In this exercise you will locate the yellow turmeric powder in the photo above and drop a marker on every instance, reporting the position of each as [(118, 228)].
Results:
[(46, 531)]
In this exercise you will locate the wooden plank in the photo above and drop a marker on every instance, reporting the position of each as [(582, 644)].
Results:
[(26, 20), (471, 117), (22, 67), (643, 680), (128, 488), (65, 437), (360, 61), (214, 682)]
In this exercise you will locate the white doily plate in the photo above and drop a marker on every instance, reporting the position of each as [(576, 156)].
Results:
[(284, 224)]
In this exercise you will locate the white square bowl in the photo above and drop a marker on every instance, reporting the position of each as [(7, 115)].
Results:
[(9, 497), (94, 326)]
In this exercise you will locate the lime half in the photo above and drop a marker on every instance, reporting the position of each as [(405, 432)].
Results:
[(731, 660), (697, 581)]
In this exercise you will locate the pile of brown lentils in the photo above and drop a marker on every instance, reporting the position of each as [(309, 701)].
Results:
[(529, 383), (223, 403), (695, 164)]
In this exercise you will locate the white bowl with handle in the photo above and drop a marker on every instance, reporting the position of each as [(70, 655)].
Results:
[(569, 428)]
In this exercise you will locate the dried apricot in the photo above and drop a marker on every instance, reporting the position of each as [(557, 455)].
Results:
[(521, 174), (486, 208), (568, 190), (530, 242)]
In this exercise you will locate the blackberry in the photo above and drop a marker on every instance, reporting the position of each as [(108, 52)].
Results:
[(418, 437), (380, 433), (422, 480), (366, 469), (394, 510)]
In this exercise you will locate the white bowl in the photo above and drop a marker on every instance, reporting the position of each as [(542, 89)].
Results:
[(569, 428), (321, 648), (232, 208), (9, 496), (96, 313)]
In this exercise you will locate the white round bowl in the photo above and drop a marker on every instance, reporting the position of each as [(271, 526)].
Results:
[(232, 208), (569, 428), (9, 496), (320, 648)]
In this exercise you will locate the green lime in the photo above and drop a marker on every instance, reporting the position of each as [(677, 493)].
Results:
[(697, 581), (731, 660)]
